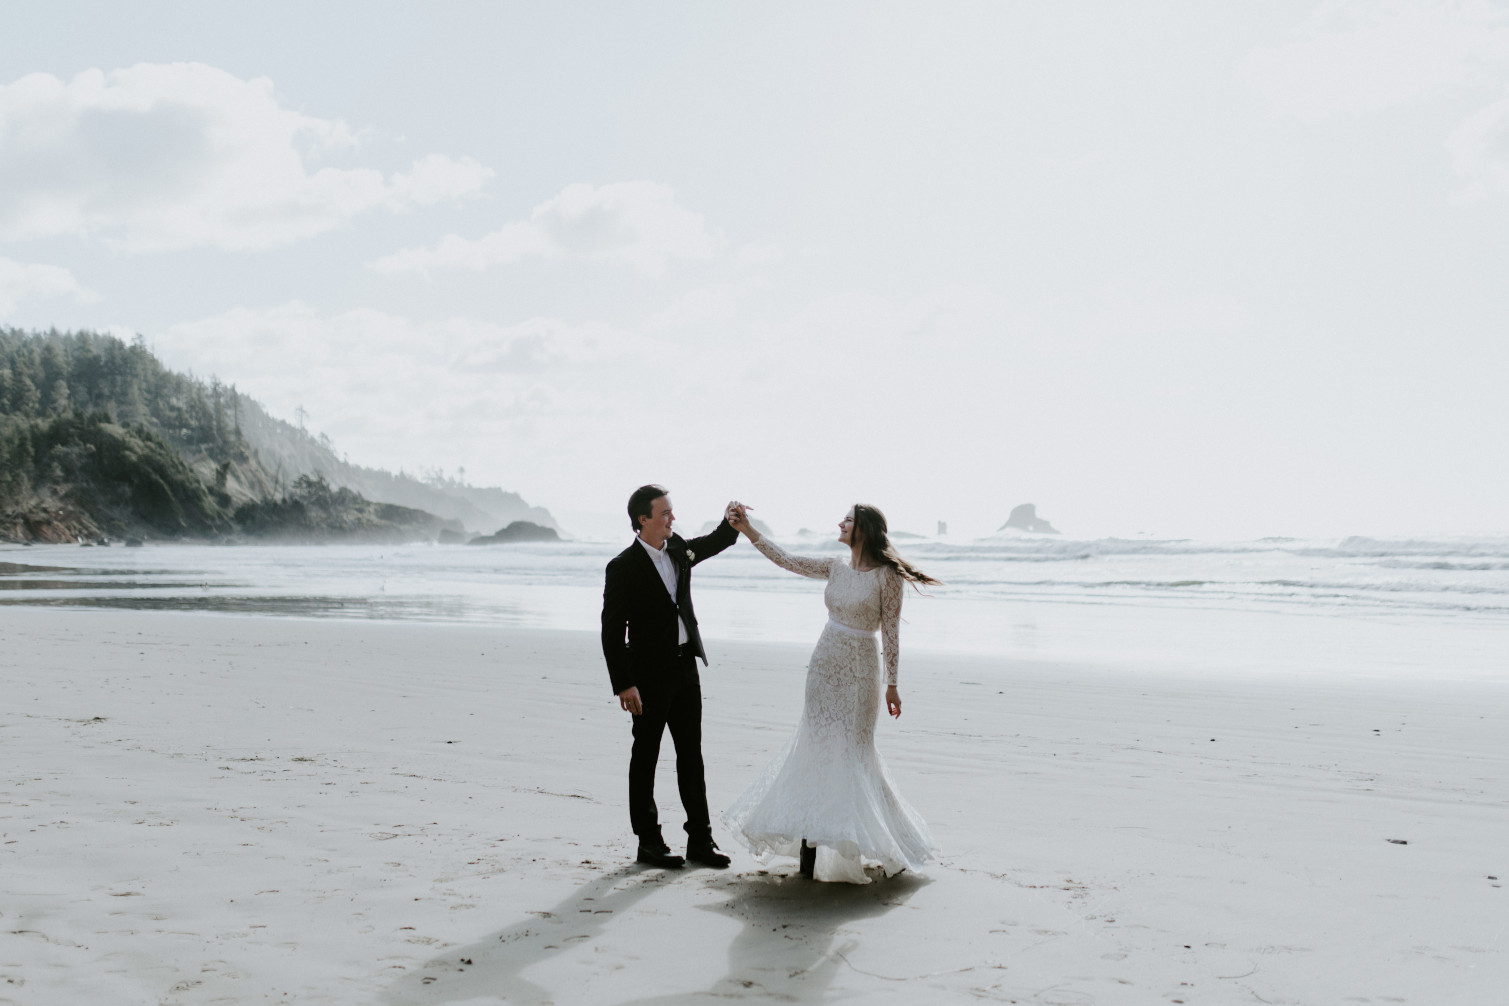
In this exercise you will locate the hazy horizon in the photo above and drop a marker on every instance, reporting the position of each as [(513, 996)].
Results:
[(1194, 271), (600, 525)]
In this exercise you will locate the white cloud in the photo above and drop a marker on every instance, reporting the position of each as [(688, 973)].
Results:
[(1150, 316), (507, 244), (1365, 56), (160, 157), (637, 223), (717, 305), (758, 253), (23, 281), (1480, 150), (396, 391)]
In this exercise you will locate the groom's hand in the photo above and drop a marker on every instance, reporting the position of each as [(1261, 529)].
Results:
[(629, 699), (738, 519)]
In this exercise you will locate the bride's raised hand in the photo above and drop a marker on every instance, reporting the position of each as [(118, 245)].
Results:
[(738, 519)]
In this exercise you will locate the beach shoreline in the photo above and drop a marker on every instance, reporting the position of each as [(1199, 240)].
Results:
[(206, 808)]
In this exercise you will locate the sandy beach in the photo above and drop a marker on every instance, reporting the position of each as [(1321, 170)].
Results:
[(219, 809)]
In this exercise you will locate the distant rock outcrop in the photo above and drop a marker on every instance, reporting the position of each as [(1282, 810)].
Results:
[(1025, 518), (314, 511), (758, 524), (519, 530)]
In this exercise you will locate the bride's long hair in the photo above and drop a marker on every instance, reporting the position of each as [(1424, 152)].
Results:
[(875, 545)]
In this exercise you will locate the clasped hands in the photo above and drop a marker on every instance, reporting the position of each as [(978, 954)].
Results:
[(738, 518)]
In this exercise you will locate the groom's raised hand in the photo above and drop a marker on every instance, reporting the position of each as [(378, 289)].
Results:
[(629, 699), (738, 519)]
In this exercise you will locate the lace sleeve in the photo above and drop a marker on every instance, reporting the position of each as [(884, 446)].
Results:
[(890, 624), (805, 566)]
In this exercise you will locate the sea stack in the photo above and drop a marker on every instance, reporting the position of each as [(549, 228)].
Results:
[(519, 530), (1025, 518)]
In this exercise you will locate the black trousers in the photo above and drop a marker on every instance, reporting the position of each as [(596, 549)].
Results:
[(675, 703)]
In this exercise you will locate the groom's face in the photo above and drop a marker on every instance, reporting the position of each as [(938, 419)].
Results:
[(656, 528)]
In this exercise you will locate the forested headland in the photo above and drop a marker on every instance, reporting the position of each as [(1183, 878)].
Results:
[(98, 440)]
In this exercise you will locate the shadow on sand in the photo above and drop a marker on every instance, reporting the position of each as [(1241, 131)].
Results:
[(788, 950)]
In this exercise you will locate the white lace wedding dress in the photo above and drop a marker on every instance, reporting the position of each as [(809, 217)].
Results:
[(829, 785)]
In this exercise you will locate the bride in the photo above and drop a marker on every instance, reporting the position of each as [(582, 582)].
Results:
[(827, 797)]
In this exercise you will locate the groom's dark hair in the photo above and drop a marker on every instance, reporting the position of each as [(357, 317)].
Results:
[(639, 503)]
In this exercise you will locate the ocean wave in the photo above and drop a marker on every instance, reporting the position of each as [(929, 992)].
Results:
[(1248, 587), (1306, 602), (1445, 546), (1443, 564), (1032, 550), (1056, 549)]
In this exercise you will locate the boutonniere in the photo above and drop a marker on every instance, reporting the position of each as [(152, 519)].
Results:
[(691, 557)]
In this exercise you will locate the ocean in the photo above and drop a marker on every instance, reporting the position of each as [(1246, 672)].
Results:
[(1358, 606)]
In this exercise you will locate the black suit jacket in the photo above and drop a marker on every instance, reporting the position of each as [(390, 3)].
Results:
[(639, 617)]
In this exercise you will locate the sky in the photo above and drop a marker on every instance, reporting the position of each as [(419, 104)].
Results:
[(1186, 269)]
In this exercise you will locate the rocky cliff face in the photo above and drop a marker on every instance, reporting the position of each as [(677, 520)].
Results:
[(98, 439), (49, 522)]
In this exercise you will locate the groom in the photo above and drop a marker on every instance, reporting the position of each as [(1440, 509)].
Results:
[(651, 643)]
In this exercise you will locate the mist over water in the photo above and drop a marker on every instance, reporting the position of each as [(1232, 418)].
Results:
[(1359, 605)]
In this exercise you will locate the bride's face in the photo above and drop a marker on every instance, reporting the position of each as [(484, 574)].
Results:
[(846, 528)]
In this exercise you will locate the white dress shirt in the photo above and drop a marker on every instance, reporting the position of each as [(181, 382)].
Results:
[(661, 557)]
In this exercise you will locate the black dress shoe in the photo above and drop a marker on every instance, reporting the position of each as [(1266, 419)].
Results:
[(660, 857), (705, 851)]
